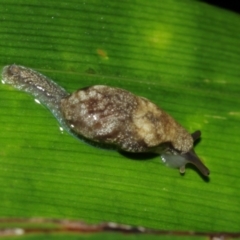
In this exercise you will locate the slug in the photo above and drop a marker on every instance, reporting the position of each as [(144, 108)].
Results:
[(111, 116)]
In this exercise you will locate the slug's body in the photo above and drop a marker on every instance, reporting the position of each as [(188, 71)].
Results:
[(111, 116)]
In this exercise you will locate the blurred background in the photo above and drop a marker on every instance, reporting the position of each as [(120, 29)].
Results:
[(230, 5)]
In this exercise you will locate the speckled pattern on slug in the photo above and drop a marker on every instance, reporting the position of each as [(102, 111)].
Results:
[(115, 116), (33, 82)]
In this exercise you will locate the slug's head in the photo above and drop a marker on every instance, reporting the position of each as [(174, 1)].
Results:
[(174, 158)]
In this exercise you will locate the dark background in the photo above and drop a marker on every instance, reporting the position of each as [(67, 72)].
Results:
[(226, 4)]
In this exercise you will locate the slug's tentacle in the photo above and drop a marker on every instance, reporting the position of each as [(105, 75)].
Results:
[(196, 135), (173, 158), (192, 158)]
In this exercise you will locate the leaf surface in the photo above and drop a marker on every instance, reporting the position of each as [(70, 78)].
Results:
[(182, 55)]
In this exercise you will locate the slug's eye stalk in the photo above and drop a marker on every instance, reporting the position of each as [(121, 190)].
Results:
[(196, 135), (192, 158), (175, 159)]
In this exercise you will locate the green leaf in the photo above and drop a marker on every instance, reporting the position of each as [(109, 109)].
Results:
[(182, 55)]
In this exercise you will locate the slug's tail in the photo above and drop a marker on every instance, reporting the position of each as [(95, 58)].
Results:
[(33, 82)]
